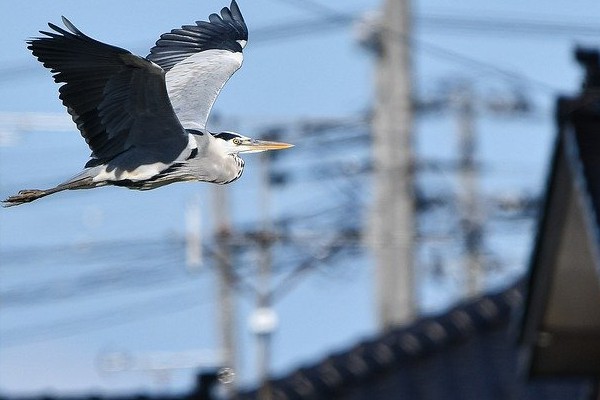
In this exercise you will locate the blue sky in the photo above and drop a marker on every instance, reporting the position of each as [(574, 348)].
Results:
[(152, 304)]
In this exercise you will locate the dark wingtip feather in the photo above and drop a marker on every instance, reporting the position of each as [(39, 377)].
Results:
[(226, 14), (235, 10), (215, 19), (55, 28), (70, 26)]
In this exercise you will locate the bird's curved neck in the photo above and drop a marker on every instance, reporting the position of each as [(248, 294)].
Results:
[(239, 164)]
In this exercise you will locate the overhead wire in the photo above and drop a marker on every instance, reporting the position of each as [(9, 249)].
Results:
[(442, 52), (514, 26), (119, 270), (121, 315)]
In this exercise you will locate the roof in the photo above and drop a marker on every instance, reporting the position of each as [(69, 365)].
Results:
[(561, 328), (466, 352)]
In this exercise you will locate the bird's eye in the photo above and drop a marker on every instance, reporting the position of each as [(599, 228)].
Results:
[(237, 141)]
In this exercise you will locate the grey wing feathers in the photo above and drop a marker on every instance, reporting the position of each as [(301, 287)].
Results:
[(225, 32), (118, 100), (199, 60)]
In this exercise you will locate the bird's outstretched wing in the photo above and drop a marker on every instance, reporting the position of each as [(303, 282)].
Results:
[(199, 60), (118, 100)]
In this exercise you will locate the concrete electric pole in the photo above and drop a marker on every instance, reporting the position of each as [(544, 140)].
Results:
[(393, 216), (263, 320), (468, 194), (226, 295)]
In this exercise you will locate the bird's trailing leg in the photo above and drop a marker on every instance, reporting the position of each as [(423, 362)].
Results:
[(26, 196), (29, 195)]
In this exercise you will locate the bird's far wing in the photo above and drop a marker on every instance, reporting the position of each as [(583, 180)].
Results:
[(199, 60), (118, 100)]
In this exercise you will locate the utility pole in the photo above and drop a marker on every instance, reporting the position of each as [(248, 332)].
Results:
[(193, 234), (263, 321), (226, 298), (462, 99), (393, 217), (471, 219)]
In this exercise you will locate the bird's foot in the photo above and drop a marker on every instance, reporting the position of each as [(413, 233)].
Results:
[(24, 196)]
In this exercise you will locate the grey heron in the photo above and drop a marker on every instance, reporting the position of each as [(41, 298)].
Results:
[(145, 118)]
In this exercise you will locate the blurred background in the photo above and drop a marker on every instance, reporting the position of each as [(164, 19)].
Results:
[(116, 292)]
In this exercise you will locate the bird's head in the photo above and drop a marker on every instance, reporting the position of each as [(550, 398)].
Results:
[(234, 143)]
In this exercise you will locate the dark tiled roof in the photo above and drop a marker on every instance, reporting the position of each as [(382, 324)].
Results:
[(466, 353)]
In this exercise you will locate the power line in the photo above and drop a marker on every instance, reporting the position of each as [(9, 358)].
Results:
[(435, 50), (122, 269), (315, 7), (514, 26), (485, 67), (121, 315)]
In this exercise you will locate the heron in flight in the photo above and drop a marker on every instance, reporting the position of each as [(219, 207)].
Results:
[(145, 118)]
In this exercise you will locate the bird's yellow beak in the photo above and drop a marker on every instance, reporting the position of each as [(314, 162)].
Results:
[(267, 145), (254, 146)]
